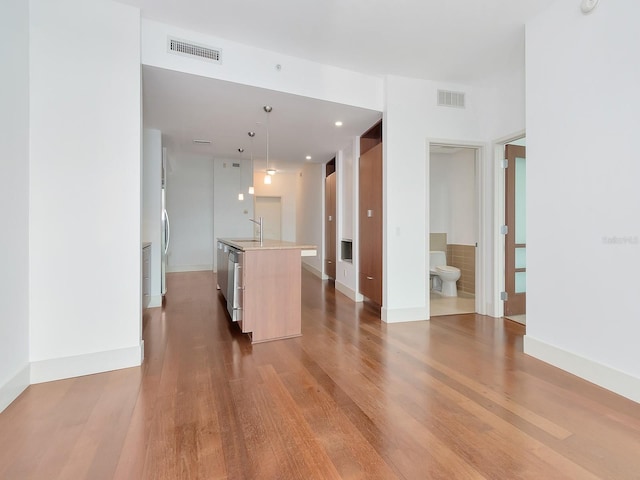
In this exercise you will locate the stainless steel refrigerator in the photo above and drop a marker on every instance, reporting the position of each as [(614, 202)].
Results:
[(166, 229)]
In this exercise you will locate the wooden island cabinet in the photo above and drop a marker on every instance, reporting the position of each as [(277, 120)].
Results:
[(263, 286)]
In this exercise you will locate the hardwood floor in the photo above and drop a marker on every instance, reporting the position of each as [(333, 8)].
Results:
[(353, 398)]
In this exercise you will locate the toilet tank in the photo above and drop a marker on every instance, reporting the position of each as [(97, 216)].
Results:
[(437, 259)]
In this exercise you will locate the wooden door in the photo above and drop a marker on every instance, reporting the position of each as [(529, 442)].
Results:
[(330, 225), (370, 221), (515, 238)]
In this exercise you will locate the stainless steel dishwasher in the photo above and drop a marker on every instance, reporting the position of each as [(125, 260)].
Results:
[(234, 284)]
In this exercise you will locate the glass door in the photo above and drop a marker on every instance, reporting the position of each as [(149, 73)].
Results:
[(515, 254)]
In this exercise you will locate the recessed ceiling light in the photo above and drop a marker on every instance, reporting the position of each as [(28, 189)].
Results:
[(202, 142), (338, 123), (308, 157)]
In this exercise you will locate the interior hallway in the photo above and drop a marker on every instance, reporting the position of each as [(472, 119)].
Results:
[(352, 398)]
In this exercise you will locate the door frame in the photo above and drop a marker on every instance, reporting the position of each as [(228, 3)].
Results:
[(499, 219), (483, 248)]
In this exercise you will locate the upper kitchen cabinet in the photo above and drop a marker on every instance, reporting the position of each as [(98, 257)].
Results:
[(330, 219), (370, 213)]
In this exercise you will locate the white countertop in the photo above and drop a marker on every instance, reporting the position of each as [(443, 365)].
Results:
[(247, 244)]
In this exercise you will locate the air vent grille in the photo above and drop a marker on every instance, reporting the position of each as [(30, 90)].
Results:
[(191, 49), (447, 98)]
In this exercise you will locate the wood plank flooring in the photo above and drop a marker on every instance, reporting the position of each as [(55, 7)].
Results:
[(353, 398)]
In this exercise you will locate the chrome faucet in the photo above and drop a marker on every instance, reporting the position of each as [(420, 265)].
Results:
[(259, 223)]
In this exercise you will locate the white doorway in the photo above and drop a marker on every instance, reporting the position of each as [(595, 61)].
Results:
[(270, 209), (453, 223)]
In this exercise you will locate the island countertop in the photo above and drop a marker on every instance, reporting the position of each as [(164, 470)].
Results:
[(249, 244)]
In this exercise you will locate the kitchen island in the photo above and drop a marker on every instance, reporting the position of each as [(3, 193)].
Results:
[(261, 283)]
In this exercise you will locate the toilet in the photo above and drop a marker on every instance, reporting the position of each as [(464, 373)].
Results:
[(443, 276)]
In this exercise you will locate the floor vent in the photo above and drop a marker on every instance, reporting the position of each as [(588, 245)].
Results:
[(450, 99), (190, 49)]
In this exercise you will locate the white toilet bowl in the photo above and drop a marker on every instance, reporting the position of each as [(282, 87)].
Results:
[(449, 276), (444, 277)]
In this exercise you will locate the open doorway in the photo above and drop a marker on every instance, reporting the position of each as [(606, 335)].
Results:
[(453, 227)]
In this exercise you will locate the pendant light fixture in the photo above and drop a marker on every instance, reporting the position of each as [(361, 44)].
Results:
[(251, 189), (267, 177), (240, 195)]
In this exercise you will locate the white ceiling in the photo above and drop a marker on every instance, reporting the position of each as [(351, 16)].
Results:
[(463, 41), (187, 107)]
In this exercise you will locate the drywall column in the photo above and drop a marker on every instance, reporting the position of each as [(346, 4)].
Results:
[(85, 188), (14, 197), (405, 202)]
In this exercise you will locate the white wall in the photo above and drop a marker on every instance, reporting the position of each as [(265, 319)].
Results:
[(347, 216), (310, 212), (230, 215), (284, 185), (452, 193), (189, 203), (583, 207), (411, 119), (14, 196), (254, 66), (152, 206), (85, 188)]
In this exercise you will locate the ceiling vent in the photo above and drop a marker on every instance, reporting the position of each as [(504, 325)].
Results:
[(190, 49), (450, 99)]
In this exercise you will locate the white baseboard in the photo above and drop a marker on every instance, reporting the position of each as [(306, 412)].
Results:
[(602, 375), (314, 270), (79, 365), (14, 387), (398, 315), (188, 268), (348, 292), (155, 301)]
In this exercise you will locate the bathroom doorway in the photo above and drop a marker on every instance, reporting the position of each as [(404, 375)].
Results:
[(453, 226)]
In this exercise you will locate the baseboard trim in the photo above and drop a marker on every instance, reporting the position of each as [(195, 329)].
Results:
[(314, 270), (14, 387), (349, 293), (155, 301), (399, 315), (188, 268), (79, 365), (602, 375)]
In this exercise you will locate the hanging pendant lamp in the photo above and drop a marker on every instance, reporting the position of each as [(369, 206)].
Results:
[(267, 177), (251, 189), (240, 195)]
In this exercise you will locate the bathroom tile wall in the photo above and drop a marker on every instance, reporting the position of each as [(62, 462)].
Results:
[(464, 258)]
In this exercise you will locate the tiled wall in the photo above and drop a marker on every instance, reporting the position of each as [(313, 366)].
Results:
[(464, 258)]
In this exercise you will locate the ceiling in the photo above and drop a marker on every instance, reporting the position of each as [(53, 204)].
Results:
[(187, 107), (460, 41)]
